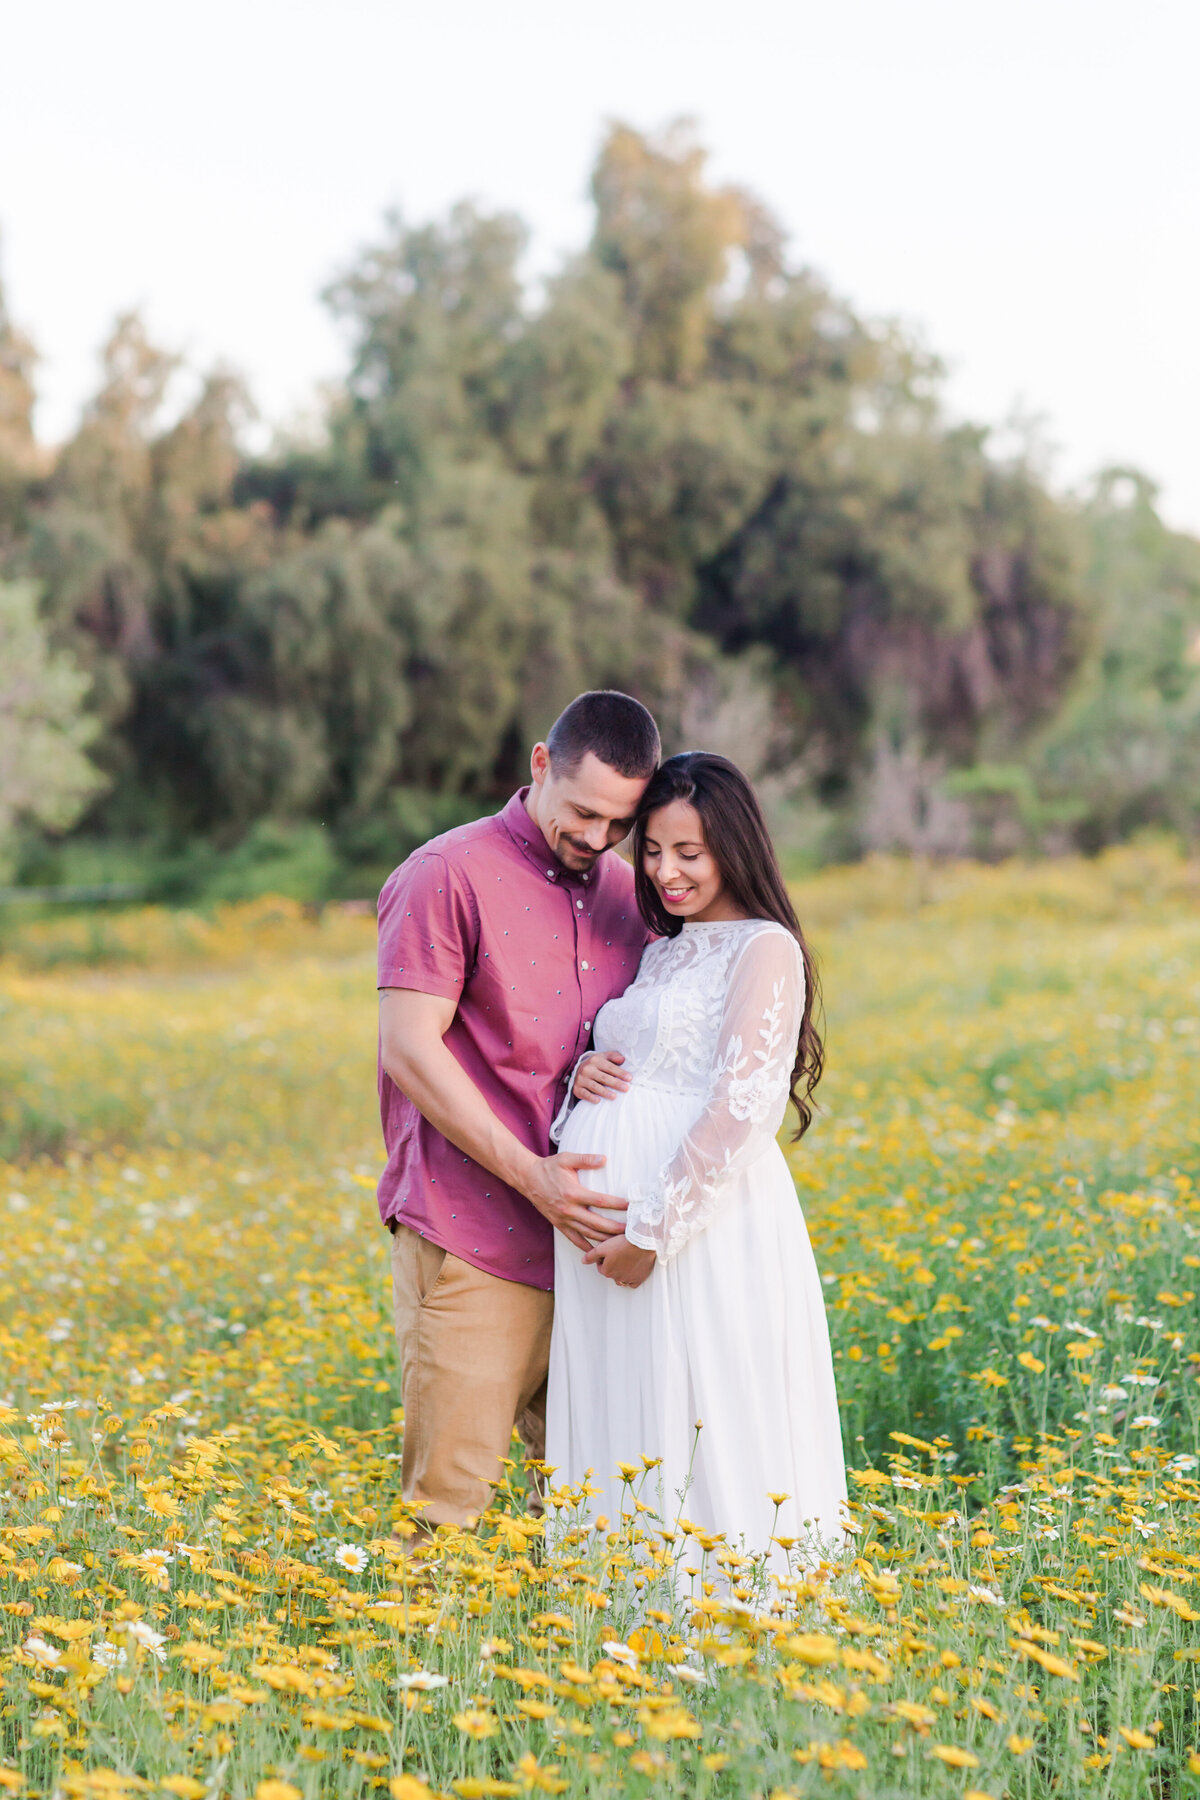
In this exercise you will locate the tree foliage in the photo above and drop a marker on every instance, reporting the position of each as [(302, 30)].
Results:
[(1124, 752), (685, 467), (46, 778)]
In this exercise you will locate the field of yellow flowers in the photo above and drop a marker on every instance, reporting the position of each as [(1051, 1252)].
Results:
[(200, 1431)]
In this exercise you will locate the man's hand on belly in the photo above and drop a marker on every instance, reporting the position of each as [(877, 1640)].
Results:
[(585, 1217)]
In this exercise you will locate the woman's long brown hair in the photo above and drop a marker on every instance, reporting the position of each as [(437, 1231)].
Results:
[(737, 837)]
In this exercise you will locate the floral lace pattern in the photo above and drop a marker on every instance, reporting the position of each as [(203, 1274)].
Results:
[(714, 1013)]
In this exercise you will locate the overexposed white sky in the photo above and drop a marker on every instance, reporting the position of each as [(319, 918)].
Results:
[(1021, 181)]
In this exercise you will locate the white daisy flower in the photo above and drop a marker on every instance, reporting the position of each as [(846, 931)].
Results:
[(351, 1557), (986, 1596), (422, 1679), (148, 1638)]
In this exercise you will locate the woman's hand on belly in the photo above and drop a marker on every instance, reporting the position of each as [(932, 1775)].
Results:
[(599, 1076), (625, 1263)]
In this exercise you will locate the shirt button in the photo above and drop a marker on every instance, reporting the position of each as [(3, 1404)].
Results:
[(583, 964), (587, 1026), (579, 904)]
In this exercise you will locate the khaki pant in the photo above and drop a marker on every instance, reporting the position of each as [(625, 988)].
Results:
[(474, 1351)]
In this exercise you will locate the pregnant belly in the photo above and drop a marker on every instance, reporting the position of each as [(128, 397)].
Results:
[(636, 1134)]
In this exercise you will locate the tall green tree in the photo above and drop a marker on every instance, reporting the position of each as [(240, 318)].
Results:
[(1123, 752), (46, 777), (20, 459)]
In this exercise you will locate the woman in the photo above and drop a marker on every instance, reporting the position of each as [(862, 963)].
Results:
[(709, 1307)]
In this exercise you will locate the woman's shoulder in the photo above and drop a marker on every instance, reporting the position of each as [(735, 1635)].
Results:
[(767, 943), (753, 929)]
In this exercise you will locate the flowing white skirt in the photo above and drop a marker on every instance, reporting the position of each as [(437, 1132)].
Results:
[(729, 1335)]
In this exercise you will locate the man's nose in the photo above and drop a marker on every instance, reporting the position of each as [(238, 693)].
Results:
[(596, 835)]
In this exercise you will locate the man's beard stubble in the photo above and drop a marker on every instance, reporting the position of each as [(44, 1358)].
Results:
[(586, 857)]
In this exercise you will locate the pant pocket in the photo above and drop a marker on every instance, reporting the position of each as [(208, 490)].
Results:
[(433, 1265)]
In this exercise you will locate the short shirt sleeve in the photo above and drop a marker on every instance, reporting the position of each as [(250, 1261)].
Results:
[(428, 928)]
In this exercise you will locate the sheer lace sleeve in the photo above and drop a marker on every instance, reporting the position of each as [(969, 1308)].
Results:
[(568, 1106), (747, 1098)]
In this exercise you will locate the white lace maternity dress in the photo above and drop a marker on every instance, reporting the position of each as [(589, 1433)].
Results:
[(730, 1326)]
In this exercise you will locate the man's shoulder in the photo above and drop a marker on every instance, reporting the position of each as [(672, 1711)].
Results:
[(456, 846), (450, 850)]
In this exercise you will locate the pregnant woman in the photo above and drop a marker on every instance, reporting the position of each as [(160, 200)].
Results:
[(709, 1307)]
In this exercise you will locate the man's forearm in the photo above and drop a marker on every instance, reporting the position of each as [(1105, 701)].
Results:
[(444, 1093), (411, 1034)]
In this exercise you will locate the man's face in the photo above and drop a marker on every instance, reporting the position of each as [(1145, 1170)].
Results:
[(584, 813)]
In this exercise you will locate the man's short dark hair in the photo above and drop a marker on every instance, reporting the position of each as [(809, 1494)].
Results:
[(613, 727)]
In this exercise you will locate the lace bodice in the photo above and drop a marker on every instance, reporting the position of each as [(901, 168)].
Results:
[(714, 1013)]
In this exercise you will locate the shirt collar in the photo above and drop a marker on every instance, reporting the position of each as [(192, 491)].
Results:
[(533, 846)]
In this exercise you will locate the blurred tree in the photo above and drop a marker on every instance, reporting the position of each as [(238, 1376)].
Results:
[(433, 312), (106, 465), (140, 550), (668, 238), (20, 460), (563, 373), (89, 541), (1124, 752), (682, 466), (46, 778), (927, 598)]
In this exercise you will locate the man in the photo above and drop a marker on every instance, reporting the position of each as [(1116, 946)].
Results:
[(498, 944)]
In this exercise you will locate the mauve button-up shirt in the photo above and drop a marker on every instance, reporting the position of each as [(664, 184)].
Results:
[(486, 916)]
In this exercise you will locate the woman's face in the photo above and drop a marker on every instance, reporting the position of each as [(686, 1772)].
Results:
[(681, 866)]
